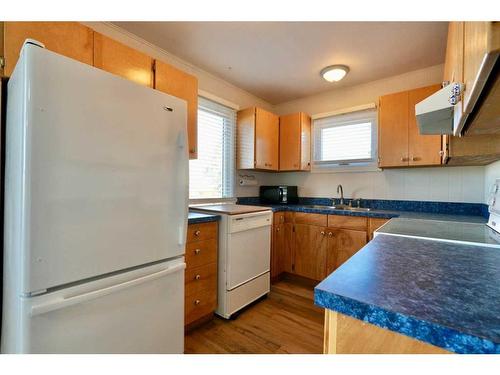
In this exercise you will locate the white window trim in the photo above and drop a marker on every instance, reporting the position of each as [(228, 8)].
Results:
[(329, 167), (233, 199)]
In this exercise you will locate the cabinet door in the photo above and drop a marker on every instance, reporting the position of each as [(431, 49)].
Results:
[(310, 251), (278, 250), (393, 130), (343, 244), (290, 142), (305, 141), (185, 86), (288, 247), (119, 59), (70, 39), (453, 66), (422, 149), (480, 39), (266, 140)]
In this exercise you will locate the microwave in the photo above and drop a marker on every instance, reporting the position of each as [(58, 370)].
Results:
[(278, 194)]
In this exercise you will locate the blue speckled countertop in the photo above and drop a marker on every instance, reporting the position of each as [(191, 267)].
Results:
[(196, 218), (441, 293), (385, 214)]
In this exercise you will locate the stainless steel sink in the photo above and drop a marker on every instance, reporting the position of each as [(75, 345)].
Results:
[(339, 207)]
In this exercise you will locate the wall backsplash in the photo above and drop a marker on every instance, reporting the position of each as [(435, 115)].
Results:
[(446, 184)]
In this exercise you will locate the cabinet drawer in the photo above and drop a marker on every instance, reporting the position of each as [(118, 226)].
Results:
[(200, 232), (201, 278), (199, 305), (278, 218), (311, 219), (348, 222), (201, 253)]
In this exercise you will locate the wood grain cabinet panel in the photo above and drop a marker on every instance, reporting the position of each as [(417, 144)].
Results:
[(347, 222), (266, 140), (278, 250), (342, 244), (393, 130), (175, 82), (295, 142), (422, 149), (400, 142), (70, 39), (117, 58), (201, 272), (310, 247), (257, 140)]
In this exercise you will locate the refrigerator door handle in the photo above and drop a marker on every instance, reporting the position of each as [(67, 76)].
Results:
[(60, 303)]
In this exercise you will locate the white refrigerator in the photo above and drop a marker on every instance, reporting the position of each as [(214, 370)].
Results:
[(96, 205)]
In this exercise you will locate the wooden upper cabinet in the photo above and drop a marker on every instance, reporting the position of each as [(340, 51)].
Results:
[(70, 39), (393, 130), (266, 140), (481, 49), (257, 139), (454, 61), (422, 149), (119, 59), (295, 142), (400, 142), (185, 86)]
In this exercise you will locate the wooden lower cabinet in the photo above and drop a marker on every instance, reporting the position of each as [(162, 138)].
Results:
[(310, 247), (373, 224), (302, 247), (342, 244), (201, 272)]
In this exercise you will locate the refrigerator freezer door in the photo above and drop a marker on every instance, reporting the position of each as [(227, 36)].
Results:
[(104, 181), (140, 311)]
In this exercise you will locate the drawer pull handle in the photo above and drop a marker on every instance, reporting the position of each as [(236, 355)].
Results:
[(197, 233), (197, 277), (197, 251), (197, 302)]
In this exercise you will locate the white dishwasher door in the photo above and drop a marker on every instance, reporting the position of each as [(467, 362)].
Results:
[(249, 247)]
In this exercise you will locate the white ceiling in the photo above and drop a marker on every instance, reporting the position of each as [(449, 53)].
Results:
[(281, 61)]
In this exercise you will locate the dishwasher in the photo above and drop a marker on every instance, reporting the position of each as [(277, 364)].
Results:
[(243, 257)]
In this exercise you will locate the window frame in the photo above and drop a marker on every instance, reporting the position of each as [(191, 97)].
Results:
[(348, 165), (229, 152)]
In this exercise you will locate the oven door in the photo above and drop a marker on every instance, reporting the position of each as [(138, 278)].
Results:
[(249, 248)]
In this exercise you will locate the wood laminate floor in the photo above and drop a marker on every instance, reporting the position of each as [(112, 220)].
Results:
[(287, 321)]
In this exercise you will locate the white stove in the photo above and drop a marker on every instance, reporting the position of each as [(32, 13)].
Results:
[(451, 231)]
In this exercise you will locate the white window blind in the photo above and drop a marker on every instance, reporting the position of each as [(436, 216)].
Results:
[(212, 174), (345, 140)]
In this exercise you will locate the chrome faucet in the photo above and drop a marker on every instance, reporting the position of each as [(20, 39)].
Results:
[(340, 191)]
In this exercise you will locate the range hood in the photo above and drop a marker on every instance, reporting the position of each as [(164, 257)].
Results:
[(439, 113)]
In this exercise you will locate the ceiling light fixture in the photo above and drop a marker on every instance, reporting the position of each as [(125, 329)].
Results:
[(334, 73)]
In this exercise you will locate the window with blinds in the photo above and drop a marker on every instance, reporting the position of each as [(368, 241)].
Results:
[(345, 140), (212, 174)]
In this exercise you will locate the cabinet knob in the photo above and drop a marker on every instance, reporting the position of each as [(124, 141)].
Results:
[(197, 251), (278, 229), (197, 302), (322, 233), (197, 277), (330, 234), (404, 159), (441, 153), (197, 233), (415, 158)]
